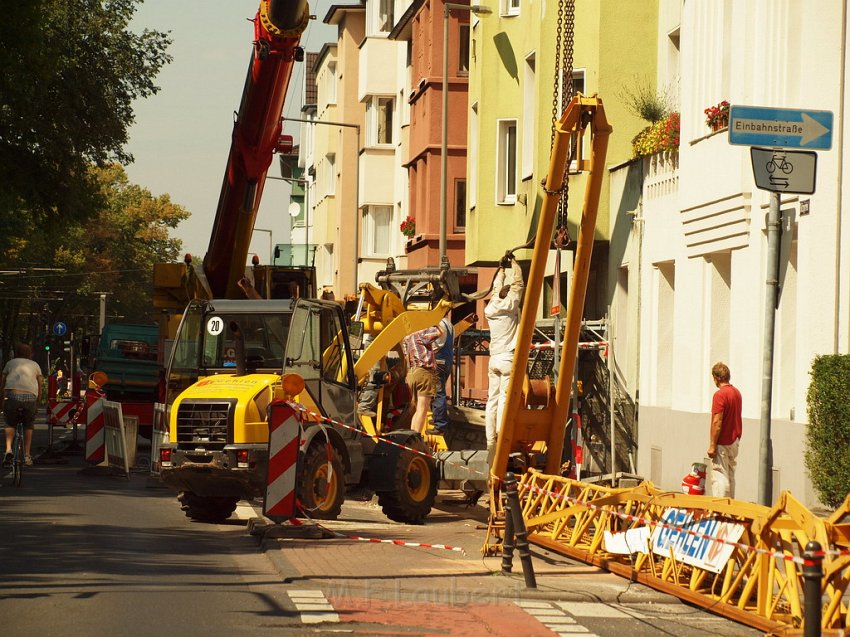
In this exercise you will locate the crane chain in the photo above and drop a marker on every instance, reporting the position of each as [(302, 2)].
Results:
[(564, 41)]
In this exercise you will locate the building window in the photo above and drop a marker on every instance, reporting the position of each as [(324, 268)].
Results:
[(460, 204), (377, 231), (720, 299), (380, 120), (472, 156), (330, 175), (507, 162), (385, 19), (328, 265), (529, 110), (463, 49), (327, 84), (510, 7), (573, 85), (665, 293)]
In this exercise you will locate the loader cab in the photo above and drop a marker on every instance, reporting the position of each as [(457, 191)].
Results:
[(205, 343), (318, 349)]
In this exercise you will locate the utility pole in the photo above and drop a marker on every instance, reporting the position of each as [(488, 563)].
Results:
[(102, 312)]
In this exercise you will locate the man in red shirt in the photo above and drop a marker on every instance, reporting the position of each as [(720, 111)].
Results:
[(724, 434)]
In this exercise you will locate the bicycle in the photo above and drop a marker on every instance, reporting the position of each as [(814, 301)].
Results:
[(18, 451)]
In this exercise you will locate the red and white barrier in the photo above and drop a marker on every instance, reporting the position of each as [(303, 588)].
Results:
[(159, 435), (95, 439), (280, 500), (60, 412)]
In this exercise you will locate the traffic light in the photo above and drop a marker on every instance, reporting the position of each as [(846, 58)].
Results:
[(47, 348)]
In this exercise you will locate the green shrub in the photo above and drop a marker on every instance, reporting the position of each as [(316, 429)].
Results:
[(828, 436)]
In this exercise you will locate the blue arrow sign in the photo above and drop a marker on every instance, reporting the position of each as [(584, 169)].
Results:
[(780, 127), (60, 328)]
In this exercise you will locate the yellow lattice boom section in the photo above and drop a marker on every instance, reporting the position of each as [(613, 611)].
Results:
[(757, 579)]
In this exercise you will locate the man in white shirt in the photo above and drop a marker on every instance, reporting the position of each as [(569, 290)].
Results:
[(502, 313), (20, 387)]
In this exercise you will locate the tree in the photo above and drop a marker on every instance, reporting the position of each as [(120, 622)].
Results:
[(113, 252), (71, 70)]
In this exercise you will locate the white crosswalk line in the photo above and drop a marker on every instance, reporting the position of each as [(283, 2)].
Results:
[(313, 607), (593, 609)]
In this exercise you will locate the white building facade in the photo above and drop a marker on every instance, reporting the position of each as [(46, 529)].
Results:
[(699, 239)]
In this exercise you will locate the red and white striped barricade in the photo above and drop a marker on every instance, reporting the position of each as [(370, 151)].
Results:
[(95, 440), (116, 439), (60, 412), (159, 435), (280, 502)]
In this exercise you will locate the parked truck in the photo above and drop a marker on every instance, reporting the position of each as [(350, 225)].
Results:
[(124, 363)]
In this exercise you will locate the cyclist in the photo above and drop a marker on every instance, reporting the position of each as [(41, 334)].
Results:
[(20, 386)]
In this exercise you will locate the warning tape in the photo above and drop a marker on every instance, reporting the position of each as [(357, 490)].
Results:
[(319, 418), (374, 540)]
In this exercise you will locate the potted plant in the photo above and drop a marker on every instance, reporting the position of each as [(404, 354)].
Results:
[(717, 116), (408, 227)]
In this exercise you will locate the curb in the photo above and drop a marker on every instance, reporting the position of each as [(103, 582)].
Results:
[(502, 587)]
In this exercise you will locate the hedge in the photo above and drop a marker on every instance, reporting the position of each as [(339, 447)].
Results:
[(828, 436)]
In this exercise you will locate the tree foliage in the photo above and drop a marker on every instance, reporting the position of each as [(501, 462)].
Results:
[(71, 70), (828, 435), (112, 252), (71, 223)]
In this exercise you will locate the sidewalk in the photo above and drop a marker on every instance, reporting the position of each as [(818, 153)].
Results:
[(364, 568)]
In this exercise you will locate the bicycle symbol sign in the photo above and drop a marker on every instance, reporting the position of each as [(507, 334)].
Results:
[(791, 171)]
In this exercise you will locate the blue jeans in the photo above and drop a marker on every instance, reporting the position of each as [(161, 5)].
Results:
[(439, 410)]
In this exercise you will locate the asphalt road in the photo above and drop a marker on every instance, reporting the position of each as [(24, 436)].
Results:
[(103, 555)]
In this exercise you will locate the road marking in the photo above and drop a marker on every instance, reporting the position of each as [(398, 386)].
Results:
[(554, 618), (593, 609), (313, 606)]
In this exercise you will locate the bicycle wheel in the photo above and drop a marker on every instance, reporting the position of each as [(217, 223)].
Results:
[(18, 461)]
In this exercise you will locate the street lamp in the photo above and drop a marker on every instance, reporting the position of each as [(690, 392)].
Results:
[(476, 9), (271, 252)]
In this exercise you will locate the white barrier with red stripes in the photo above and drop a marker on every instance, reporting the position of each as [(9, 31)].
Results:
[(280, 500), (95, 439), (159, 435), (59, 412)]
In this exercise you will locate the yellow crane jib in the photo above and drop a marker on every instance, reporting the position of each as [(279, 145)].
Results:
[(522, 429)]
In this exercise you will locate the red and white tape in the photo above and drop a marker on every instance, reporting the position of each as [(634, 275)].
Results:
[(374, 540)]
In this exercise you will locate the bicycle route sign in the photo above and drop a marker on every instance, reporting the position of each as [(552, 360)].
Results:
[(782, 127), (780, 170)]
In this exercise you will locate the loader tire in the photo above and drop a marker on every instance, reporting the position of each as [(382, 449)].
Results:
[(412, 489), (207, 508), (321, 498)]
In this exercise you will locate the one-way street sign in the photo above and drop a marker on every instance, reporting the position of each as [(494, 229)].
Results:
[(784, 127)]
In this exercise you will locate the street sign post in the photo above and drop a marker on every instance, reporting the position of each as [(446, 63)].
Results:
[(783, 127), (779, 171), (791, 171)]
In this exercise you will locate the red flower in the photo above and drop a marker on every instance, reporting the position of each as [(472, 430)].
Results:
[(408, 227)]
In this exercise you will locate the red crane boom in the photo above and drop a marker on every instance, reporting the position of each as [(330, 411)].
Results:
[(278, 26)]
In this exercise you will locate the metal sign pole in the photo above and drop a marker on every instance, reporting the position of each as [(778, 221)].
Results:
[(765, 483)]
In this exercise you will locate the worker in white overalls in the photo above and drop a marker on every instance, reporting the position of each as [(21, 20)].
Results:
[(502, 313)]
